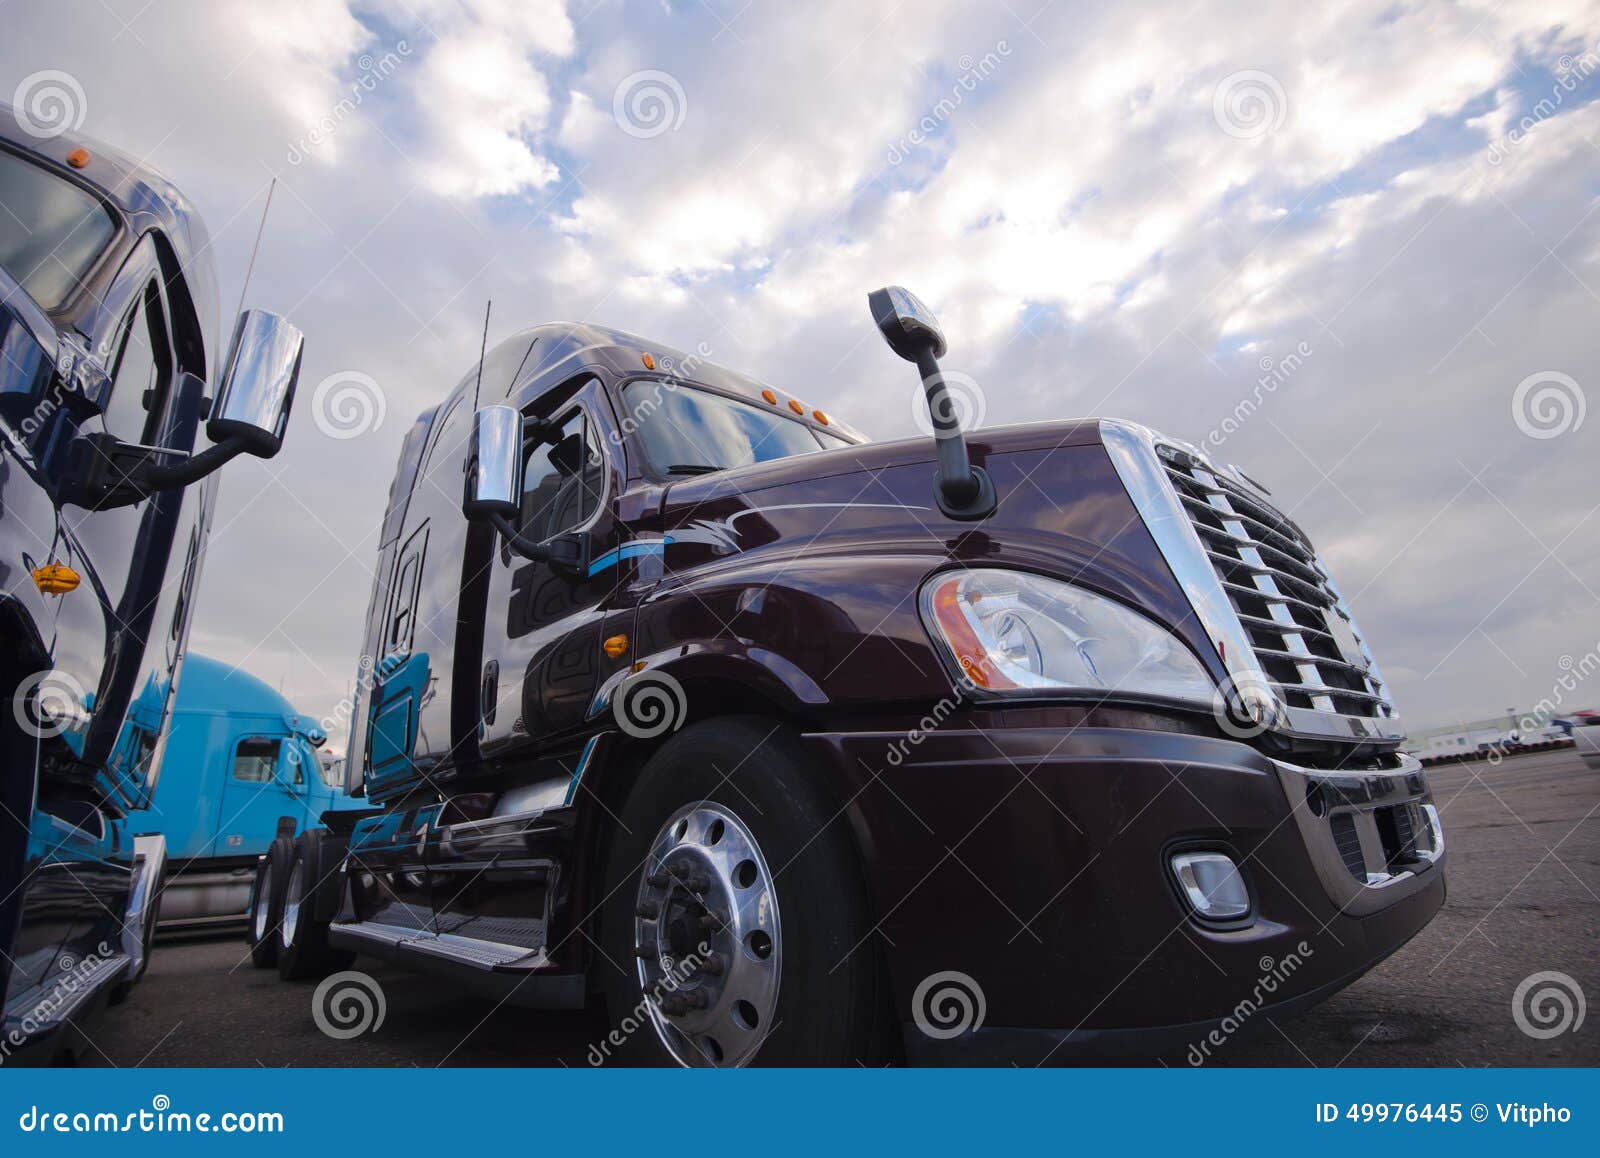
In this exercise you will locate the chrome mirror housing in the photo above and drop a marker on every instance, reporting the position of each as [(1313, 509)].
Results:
[(258, 381), (494, 464)]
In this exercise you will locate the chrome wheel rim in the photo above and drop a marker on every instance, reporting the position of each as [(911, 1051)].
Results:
[(706, 938), (291, 904), (263, 902)]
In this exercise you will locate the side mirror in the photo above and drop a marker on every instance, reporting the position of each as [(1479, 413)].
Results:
[(258, 381), (964, 491), (494, 464), (494, 491)]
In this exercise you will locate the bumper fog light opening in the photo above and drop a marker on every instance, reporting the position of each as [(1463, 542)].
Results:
[(1212, 885)]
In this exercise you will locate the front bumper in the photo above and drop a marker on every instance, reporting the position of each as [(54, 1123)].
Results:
[(1034, 860)]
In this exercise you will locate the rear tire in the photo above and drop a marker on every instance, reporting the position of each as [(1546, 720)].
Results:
[(303, 949), (266, 902), (737, 911)]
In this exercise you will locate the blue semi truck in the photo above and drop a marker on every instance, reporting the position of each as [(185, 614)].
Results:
[(117, 406), (242, 767)]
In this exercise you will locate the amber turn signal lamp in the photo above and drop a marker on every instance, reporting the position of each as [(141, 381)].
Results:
[(617, 646), (78, 158), (649, 361), (56, 578)]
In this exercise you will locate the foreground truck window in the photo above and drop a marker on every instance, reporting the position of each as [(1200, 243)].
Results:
[(690, 700)]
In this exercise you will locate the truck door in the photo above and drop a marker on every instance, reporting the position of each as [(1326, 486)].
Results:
[(541, 653), (267, 780), (401, 678)]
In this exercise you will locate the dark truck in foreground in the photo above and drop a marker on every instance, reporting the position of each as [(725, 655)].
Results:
[(108, 331), (793, 748)]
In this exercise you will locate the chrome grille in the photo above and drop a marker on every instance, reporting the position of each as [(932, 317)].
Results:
[(1303, 638), (1293, 655)]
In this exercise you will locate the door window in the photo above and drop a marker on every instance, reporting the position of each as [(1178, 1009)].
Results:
[(562, 484), (142, 368), (256, 760)]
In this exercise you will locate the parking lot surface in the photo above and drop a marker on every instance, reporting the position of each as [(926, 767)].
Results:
[(1524, 873)]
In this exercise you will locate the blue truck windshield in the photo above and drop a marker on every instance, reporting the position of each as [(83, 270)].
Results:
[(51, 231), (689, 431)]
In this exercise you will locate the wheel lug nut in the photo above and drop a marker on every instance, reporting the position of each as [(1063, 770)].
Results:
[(659, 880), (713, 964), (711, 919), (694, 999), (698, 883)]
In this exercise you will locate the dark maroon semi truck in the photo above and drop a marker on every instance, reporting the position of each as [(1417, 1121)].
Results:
[(1055, 741)]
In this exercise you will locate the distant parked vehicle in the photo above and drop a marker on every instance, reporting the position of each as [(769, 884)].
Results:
[(1586, 736), (242, 766)]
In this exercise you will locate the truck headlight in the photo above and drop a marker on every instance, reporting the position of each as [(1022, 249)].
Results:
[(1009, 631)]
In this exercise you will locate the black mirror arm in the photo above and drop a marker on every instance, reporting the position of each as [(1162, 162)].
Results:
[(567, 554), (965, 491), (118, 474)]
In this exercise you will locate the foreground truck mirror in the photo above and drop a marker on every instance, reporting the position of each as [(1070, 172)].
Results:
[(494, 491), (249, 416), (258, 381), (965, 491)]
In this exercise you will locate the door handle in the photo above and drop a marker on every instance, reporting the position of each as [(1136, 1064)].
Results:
[(489, 695)]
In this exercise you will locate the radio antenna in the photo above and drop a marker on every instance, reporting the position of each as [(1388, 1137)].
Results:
[(483, 349), (255, 249)]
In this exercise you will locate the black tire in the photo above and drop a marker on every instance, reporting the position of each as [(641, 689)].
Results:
[(266, 902), (303, 949), (830, 1006)]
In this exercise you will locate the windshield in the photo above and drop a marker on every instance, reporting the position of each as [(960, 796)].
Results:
[(51, 231), (689, 431)]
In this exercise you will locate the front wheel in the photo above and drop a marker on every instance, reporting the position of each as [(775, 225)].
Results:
[(737, 911), (303, 949), (266, 902)]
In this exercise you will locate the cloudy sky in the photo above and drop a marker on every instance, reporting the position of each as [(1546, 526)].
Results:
[(1116, 209)]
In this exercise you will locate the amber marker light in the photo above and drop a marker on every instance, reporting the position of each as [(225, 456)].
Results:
[(617, 646)]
